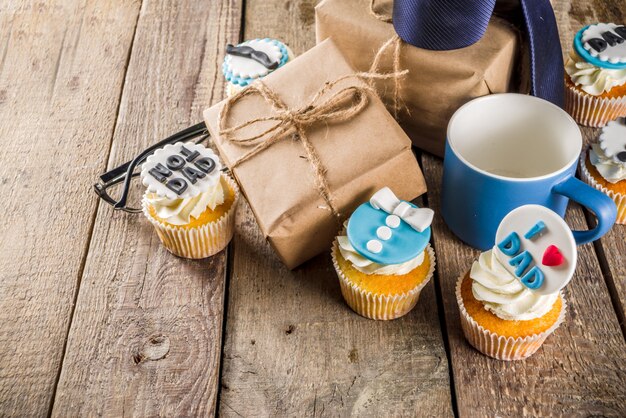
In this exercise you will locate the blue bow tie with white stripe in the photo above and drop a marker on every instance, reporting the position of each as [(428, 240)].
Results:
[(453, 24)]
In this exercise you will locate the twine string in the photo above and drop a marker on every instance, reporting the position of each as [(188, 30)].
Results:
[(378, 15), (395, 44), (338, 107)]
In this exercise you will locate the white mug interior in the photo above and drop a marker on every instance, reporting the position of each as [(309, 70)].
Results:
[(514, 136)]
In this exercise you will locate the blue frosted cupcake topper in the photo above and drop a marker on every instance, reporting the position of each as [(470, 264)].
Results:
[(387, 230)]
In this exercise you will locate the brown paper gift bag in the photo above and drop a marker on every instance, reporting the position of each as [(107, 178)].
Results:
[(360, 155), (438, 83)]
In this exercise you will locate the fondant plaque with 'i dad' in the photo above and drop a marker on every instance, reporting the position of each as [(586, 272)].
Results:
[(181, 170), (537, 247)]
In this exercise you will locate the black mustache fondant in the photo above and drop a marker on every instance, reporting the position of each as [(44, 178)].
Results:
[(251, 53)]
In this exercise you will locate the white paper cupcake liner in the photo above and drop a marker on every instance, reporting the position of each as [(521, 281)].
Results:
[(380, 307), (202, 241), (618, 198), (593, 111), (499, 347)]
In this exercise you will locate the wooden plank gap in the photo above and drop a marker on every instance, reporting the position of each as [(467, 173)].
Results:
[(119, 101), (57, 64), (242, 25), (441, 311), (6, 45), (607, 274), (230, 262)]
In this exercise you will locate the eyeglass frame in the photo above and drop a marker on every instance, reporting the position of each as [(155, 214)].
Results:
[(125, 172)]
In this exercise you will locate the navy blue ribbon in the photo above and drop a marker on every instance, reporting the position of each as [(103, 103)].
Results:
[(452, 24)]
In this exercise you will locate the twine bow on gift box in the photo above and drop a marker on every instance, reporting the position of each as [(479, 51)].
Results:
[(340, 106)]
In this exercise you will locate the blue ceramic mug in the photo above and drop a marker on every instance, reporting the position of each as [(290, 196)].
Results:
[(508, 150)]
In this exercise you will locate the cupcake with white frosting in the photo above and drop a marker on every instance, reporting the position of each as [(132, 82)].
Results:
[(603, 165), (595, 77), (503, 295), (511, 301), (383, 257), (252, 60), (188, 200)]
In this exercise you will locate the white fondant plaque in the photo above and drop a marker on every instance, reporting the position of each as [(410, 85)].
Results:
[(181, 170), (537, 247)]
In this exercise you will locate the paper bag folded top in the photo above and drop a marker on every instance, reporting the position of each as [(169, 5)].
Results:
[(358, 155), (438, 83)]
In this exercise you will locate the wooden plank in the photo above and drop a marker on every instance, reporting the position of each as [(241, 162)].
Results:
[(612, 248), (62, 66), (579, 370), (292, 346), (146, 335), (612, 255)]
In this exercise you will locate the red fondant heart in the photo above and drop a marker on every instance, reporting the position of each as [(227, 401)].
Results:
[(552, 257)]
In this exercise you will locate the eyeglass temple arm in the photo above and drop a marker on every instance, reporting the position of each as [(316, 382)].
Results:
[(188, 133), (101, 191), (129, 167)]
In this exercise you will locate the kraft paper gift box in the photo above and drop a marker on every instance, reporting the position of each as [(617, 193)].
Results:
[(438, 82), (360, 155)]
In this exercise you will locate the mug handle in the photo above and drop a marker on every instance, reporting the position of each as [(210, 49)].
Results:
[(597, 202)]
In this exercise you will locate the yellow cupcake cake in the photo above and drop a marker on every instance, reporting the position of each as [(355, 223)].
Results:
[(603, 165), (595, 79), (383, 258), (190, 203), (511, 301)]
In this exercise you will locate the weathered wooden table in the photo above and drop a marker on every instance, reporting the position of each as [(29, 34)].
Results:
[(97, 318)]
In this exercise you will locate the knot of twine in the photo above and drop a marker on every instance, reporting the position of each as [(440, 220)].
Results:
[(338, 107)]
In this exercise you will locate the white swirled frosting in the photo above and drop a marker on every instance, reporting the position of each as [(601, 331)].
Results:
[(592, 79), (504, 295), (611, 170), (180, 211), (367, 266)]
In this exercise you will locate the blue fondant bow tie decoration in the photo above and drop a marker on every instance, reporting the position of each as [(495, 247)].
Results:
[(453, 24), (417, 218)]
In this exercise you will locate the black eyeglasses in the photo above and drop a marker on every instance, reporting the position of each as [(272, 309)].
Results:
[(126, 172)]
